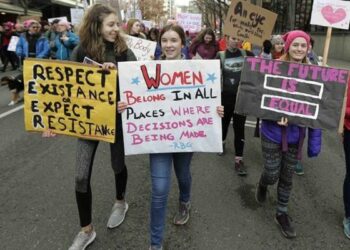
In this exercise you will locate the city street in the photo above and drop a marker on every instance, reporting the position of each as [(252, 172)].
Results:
[(38, 208)]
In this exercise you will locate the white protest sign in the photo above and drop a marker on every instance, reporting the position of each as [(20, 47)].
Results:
[(138, 14), (148, 24), (171, 106), (190, 22), (13, 43), (76, 15), (143, 49), (62, 18), (331, 13)]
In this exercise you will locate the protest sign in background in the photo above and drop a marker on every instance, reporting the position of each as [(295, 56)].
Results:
[(249, 22), (13, 43), (190, 22), (148, 24), (70, 98), (171, 106), (138, 14), (142, 48), (21, 19), (76, 15), (331, 13), (308, 95)]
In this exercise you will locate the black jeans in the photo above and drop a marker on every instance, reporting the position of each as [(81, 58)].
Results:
[(86, 150), (229, 103)]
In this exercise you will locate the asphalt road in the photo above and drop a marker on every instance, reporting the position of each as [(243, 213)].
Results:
[(38, 210)]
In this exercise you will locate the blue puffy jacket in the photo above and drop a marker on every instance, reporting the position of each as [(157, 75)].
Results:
[(273, 131), (42, 48), (64, 49)]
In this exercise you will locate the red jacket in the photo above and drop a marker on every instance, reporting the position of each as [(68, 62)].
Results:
[(222, 44)]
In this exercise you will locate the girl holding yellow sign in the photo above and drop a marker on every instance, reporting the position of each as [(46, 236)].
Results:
[(100, 41)]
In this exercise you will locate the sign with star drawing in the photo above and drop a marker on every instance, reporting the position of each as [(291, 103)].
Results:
[(171, 106), (331, 13)]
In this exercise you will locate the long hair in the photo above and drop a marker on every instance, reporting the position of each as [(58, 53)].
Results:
[(200, 37), (155, 32), (90, 32), (130, 24)]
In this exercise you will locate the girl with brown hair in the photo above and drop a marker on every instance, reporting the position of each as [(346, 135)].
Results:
[(101, 41)]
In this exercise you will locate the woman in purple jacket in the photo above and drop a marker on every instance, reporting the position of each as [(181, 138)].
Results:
[(204, 46), (282, 143)]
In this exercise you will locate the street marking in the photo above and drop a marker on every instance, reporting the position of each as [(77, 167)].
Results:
[(11, 111), (250, 124)]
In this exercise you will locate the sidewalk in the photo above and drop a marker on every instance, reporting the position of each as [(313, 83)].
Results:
[(339, 64)]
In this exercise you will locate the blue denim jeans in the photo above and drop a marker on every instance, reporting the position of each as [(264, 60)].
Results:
[(161, 168)]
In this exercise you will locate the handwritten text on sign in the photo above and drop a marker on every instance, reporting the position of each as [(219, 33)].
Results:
[(331, 13), (308, 95), (142, 48), (171, 106), (248, 22), (70, 98), (189, 22)]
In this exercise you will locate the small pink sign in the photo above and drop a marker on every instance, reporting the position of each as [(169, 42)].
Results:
[(331, 13)]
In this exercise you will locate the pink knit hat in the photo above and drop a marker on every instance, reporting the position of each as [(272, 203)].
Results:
[(28, 23), (65, 23), (9, 24), (291, 35)]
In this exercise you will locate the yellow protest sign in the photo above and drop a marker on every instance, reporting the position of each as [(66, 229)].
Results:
[(70, 98)]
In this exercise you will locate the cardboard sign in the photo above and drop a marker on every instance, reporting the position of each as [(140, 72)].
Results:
[(13, 43), (142, 48), (249, 22), (21, 19), (331, 13), (76, 15), (171, 106), (306, 94), (190, 22), (70, 98)]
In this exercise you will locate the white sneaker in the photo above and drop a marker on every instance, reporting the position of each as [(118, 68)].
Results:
[(12, 103), (118, 213), (82, 240)]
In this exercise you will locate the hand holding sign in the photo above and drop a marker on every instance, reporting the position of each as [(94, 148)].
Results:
[(122, 106), (108, 65), (283, 122)]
